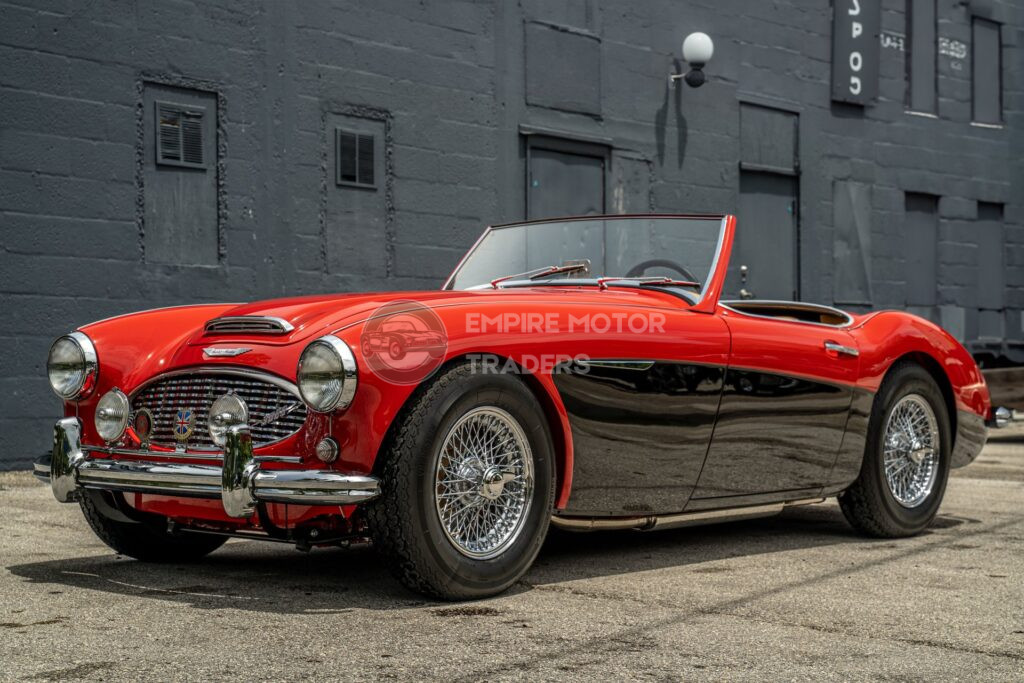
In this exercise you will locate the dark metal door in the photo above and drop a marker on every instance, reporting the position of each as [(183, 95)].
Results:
[(766, 238), (564, 184), (777, 431)]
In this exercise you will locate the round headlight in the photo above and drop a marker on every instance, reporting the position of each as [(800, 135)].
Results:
[(72, 366), (112, 413), (227, 411), (327, 374)]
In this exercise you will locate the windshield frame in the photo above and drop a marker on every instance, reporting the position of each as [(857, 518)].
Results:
[(723, 219)]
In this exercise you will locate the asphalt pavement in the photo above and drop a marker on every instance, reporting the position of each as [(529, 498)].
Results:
[(795, 597)]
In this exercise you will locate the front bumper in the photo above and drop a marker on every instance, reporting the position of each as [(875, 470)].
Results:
[(240, 484)]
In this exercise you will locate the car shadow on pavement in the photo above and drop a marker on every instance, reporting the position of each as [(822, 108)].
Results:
[(273, 578)]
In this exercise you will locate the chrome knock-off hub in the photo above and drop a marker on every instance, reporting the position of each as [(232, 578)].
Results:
[(483, 482), (911, 455)]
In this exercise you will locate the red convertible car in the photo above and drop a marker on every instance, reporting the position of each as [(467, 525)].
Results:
[(591, 377)]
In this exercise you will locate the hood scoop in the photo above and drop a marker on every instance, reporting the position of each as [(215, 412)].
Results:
[(248, 324)]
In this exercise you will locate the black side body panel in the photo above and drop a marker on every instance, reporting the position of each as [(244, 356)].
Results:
[(774, 433), (640, 434), (971, 435), (851, 453)]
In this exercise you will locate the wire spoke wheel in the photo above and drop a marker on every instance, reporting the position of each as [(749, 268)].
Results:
[(911, 450), (483, 482)]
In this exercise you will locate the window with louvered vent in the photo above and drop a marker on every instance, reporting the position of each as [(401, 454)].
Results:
[(355, 159), (179, 140)]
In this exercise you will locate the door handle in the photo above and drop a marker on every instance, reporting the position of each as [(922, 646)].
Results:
[(841, 349)]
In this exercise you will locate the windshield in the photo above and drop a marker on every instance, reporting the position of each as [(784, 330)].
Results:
[(676, 249)]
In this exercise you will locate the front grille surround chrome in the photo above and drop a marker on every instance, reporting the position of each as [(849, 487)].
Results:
[(268, 398)]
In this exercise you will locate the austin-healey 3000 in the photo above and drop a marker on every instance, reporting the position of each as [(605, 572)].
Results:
[(586, 373)]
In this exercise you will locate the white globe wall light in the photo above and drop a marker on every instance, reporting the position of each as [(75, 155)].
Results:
[(697, 51)]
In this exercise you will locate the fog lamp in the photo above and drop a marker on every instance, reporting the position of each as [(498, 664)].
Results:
[(226, 412), (112, 412)]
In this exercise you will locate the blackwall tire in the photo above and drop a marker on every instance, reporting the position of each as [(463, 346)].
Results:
[(145, 541), (412, 524), (879, 503)]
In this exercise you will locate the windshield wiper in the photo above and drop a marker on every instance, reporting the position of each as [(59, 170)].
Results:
[(648, 282), (538, 273)]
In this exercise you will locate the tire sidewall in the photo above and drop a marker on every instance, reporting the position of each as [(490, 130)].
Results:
[(911, 380), (468, 576)]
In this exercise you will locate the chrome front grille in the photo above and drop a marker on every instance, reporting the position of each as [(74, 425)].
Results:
[(275, 411)]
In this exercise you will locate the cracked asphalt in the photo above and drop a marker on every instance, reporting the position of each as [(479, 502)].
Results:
[(798, 596)]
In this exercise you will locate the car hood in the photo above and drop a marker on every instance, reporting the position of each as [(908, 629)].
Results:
[(312, 316)]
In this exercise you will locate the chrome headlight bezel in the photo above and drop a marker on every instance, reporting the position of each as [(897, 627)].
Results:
[(89, 366), (113, 400), (343, 369)]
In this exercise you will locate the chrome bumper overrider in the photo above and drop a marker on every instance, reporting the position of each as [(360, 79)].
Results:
[(240, 483)]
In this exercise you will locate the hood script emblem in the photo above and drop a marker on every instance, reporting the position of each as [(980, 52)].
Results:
[(214, 352)]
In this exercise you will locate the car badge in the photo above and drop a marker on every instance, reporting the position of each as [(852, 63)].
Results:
[(215, 352), (184, 424), (142, 423), (279, 413)]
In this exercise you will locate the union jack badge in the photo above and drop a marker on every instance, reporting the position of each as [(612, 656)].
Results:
[(184, 424)]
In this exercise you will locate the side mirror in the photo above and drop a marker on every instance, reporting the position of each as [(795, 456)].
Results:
[(744, 292)]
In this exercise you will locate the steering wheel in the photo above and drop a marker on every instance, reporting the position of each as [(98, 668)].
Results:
[(638, 269)]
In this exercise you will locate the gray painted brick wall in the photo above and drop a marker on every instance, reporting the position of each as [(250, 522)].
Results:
[(451, 79)]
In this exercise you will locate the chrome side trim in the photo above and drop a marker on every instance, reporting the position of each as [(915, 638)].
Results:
[(248, 324), (240, 484), (677, 520), (638, 365)]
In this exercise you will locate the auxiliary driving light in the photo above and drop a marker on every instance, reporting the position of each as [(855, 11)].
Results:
[(226, 412), (112, 413)]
